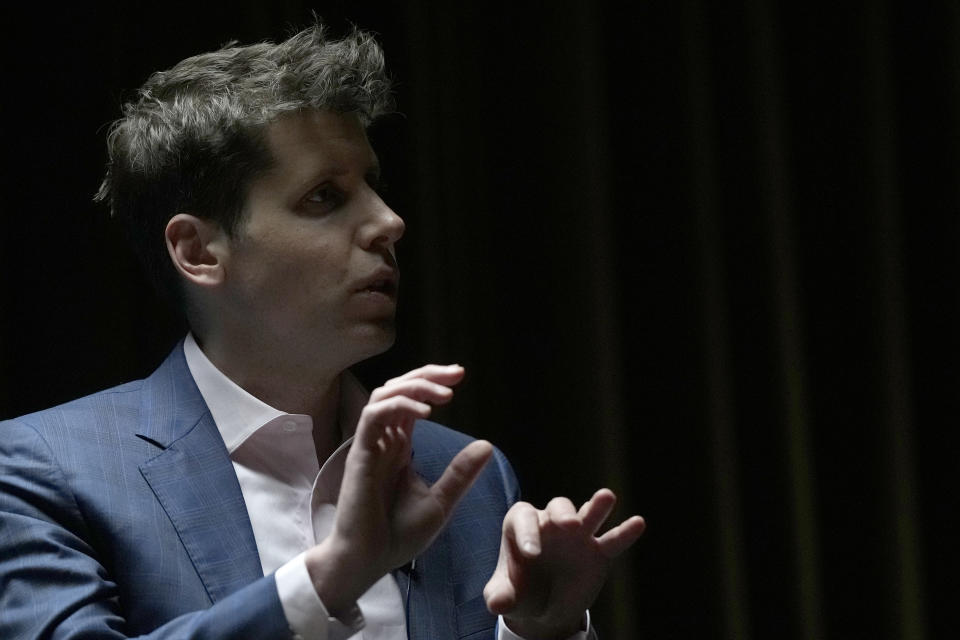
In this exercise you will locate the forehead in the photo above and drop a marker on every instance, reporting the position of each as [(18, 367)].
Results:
[(307, 143)]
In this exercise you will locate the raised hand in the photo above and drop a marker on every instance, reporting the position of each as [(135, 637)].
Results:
[(385, 513), (552, 564)]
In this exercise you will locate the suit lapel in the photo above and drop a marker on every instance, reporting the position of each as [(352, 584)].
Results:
[(426, 586), (428, 594), (194, 480)]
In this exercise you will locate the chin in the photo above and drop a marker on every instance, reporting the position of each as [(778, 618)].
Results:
[(372, 340)]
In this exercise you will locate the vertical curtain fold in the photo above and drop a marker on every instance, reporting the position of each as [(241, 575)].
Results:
[(905, 612), (777, 199), (718, 373)]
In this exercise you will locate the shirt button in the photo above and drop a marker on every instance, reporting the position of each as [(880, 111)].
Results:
[(289, 426)]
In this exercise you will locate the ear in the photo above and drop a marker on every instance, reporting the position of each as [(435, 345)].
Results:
[(198, 249)]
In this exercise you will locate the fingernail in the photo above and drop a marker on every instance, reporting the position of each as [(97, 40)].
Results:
[(530, 548)]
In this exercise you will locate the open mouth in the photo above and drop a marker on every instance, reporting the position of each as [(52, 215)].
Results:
[(385, 287)]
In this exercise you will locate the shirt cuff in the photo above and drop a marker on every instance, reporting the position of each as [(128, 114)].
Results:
[(306, 615), (504, 633)]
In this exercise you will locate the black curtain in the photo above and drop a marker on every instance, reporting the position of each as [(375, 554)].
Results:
[(704, 253)]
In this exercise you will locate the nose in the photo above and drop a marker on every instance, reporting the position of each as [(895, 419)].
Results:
[(383, 227)]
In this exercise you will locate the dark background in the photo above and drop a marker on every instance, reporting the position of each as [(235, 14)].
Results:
[(705, 253)]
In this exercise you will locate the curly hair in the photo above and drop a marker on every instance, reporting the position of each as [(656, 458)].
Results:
[(194, 137)]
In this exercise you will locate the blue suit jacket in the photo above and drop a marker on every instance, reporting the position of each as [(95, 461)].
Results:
[(121, 515)]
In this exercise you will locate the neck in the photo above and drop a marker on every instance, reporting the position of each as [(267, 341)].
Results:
[(288, 386)]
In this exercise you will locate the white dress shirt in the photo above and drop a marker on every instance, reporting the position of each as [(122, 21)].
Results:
[(291, 501)]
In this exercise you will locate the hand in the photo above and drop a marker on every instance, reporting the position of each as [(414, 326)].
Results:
[(552, 565), (385, 513)]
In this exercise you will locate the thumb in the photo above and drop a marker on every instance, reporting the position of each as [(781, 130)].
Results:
[(460, 474)]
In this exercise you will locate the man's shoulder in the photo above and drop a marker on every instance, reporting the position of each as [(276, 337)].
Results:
[(434, 445), (93, 422), (438, 444), (437, 436), (71, 443)]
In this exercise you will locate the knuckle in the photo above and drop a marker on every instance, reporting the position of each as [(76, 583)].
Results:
[(522, 505), (517, 513), (416, 385)]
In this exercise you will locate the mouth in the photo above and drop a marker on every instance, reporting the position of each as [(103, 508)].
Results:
[(385, 287), (383, 284)]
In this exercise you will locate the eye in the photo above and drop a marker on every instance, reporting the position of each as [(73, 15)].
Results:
[(325, 196)]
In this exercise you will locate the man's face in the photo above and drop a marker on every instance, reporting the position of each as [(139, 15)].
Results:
[(311, 274)]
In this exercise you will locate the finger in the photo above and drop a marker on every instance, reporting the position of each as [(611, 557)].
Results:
[(394, 446), (620, 538), (460, 474), (443, 374), (521, 525), (500, 594), (385, 441), (393, 410), (417, 388), (390, 412), (401, 447), (406, 426), (562, 512), (597, 509)]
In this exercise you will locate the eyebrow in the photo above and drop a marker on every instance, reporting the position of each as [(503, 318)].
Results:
[(339, 170), (332, 171)]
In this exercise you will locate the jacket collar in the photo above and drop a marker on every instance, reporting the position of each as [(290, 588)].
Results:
[(171, 404)]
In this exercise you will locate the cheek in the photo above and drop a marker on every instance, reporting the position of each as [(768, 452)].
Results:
[(318, 270), (297, 265)]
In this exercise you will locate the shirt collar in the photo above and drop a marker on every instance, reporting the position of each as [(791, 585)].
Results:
[(238, 414)]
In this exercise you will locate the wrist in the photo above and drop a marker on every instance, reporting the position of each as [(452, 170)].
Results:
[(337, 577)]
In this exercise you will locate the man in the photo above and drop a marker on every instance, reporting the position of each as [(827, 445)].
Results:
[(249, 488)]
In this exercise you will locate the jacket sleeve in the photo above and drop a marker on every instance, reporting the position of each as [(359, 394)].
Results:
[(52, 583)]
